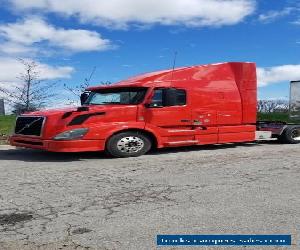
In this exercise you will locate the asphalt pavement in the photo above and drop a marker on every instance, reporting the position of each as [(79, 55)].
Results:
[(90, 201)]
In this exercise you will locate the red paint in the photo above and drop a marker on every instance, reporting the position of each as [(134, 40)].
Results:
[(220, 108)]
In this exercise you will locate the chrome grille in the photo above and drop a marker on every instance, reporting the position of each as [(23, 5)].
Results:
[(29, 125)]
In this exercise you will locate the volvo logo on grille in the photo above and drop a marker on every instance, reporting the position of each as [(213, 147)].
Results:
[(29, 125)]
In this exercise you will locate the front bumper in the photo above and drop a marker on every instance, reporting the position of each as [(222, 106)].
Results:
[(57, 146)]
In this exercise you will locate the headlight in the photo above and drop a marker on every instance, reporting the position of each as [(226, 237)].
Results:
[(72, 134)]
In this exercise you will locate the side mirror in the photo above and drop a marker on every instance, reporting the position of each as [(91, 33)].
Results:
[(83, 97)]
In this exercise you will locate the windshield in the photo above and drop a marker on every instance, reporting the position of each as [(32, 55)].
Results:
[(119, 96)]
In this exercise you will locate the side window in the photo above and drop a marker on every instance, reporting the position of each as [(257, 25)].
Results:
[(168, 97), (180, 97)]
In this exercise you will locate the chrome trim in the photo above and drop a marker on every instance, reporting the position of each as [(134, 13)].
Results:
[(181, 130), (124, 144), (182, 142), (35, 116)]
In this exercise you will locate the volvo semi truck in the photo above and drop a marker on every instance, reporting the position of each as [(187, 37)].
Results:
[(198, 105)]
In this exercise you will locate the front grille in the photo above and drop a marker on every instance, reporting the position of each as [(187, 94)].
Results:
[(29, 125)]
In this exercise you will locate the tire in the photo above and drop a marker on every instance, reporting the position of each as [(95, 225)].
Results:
[(128, 144), (291, 135)]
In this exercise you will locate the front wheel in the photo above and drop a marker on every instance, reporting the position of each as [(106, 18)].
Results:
[(128, 144), (291, 135)]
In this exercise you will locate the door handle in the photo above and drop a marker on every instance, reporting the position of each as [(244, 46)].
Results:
[(185, 120)]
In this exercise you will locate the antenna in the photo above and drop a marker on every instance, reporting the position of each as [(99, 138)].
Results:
[(174, 64), (175, 57)]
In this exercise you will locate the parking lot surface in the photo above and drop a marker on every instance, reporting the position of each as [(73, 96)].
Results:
[(90, 201)]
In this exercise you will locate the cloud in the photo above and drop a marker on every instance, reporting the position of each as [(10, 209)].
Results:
[(273, 15), (283, 73), (11, 68), (297, 22), (121, 14), (12, 48), (25, 36)]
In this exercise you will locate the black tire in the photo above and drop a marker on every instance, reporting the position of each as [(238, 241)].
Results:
[(119, 144), (289, 135)]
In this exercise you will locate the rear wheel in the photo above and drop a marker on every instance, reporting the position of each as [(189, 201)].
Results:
[(128, 144), (291, 135)]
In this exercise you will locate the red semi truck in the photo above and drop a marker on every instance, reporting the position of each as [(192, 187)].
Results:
[(199, 105)]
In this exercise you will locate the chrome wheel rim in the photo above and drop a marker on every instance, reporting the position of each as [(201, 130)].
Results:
[(130, 144), (296, 134)]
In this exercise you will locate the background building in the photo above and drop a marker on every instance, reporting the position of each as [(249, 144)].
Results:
[(2, 109)]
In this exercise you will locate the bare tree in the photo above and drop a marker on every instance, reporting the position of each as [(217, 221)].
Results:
[(79, 89), (31, 93), (270, 106)]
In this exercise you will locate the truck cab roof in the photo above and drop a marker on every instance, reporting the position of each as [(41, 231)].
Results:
[(169, 77)]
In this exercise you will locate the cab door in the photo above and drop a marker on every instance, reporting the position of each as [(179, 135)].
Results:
[(170, 114)]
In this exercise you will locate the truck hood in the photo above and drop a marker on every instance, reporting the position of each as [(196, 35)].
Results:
[(93, 117)]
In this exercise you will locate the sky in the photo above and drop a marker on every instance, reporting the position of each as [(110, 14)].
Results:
[(122, 38)]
